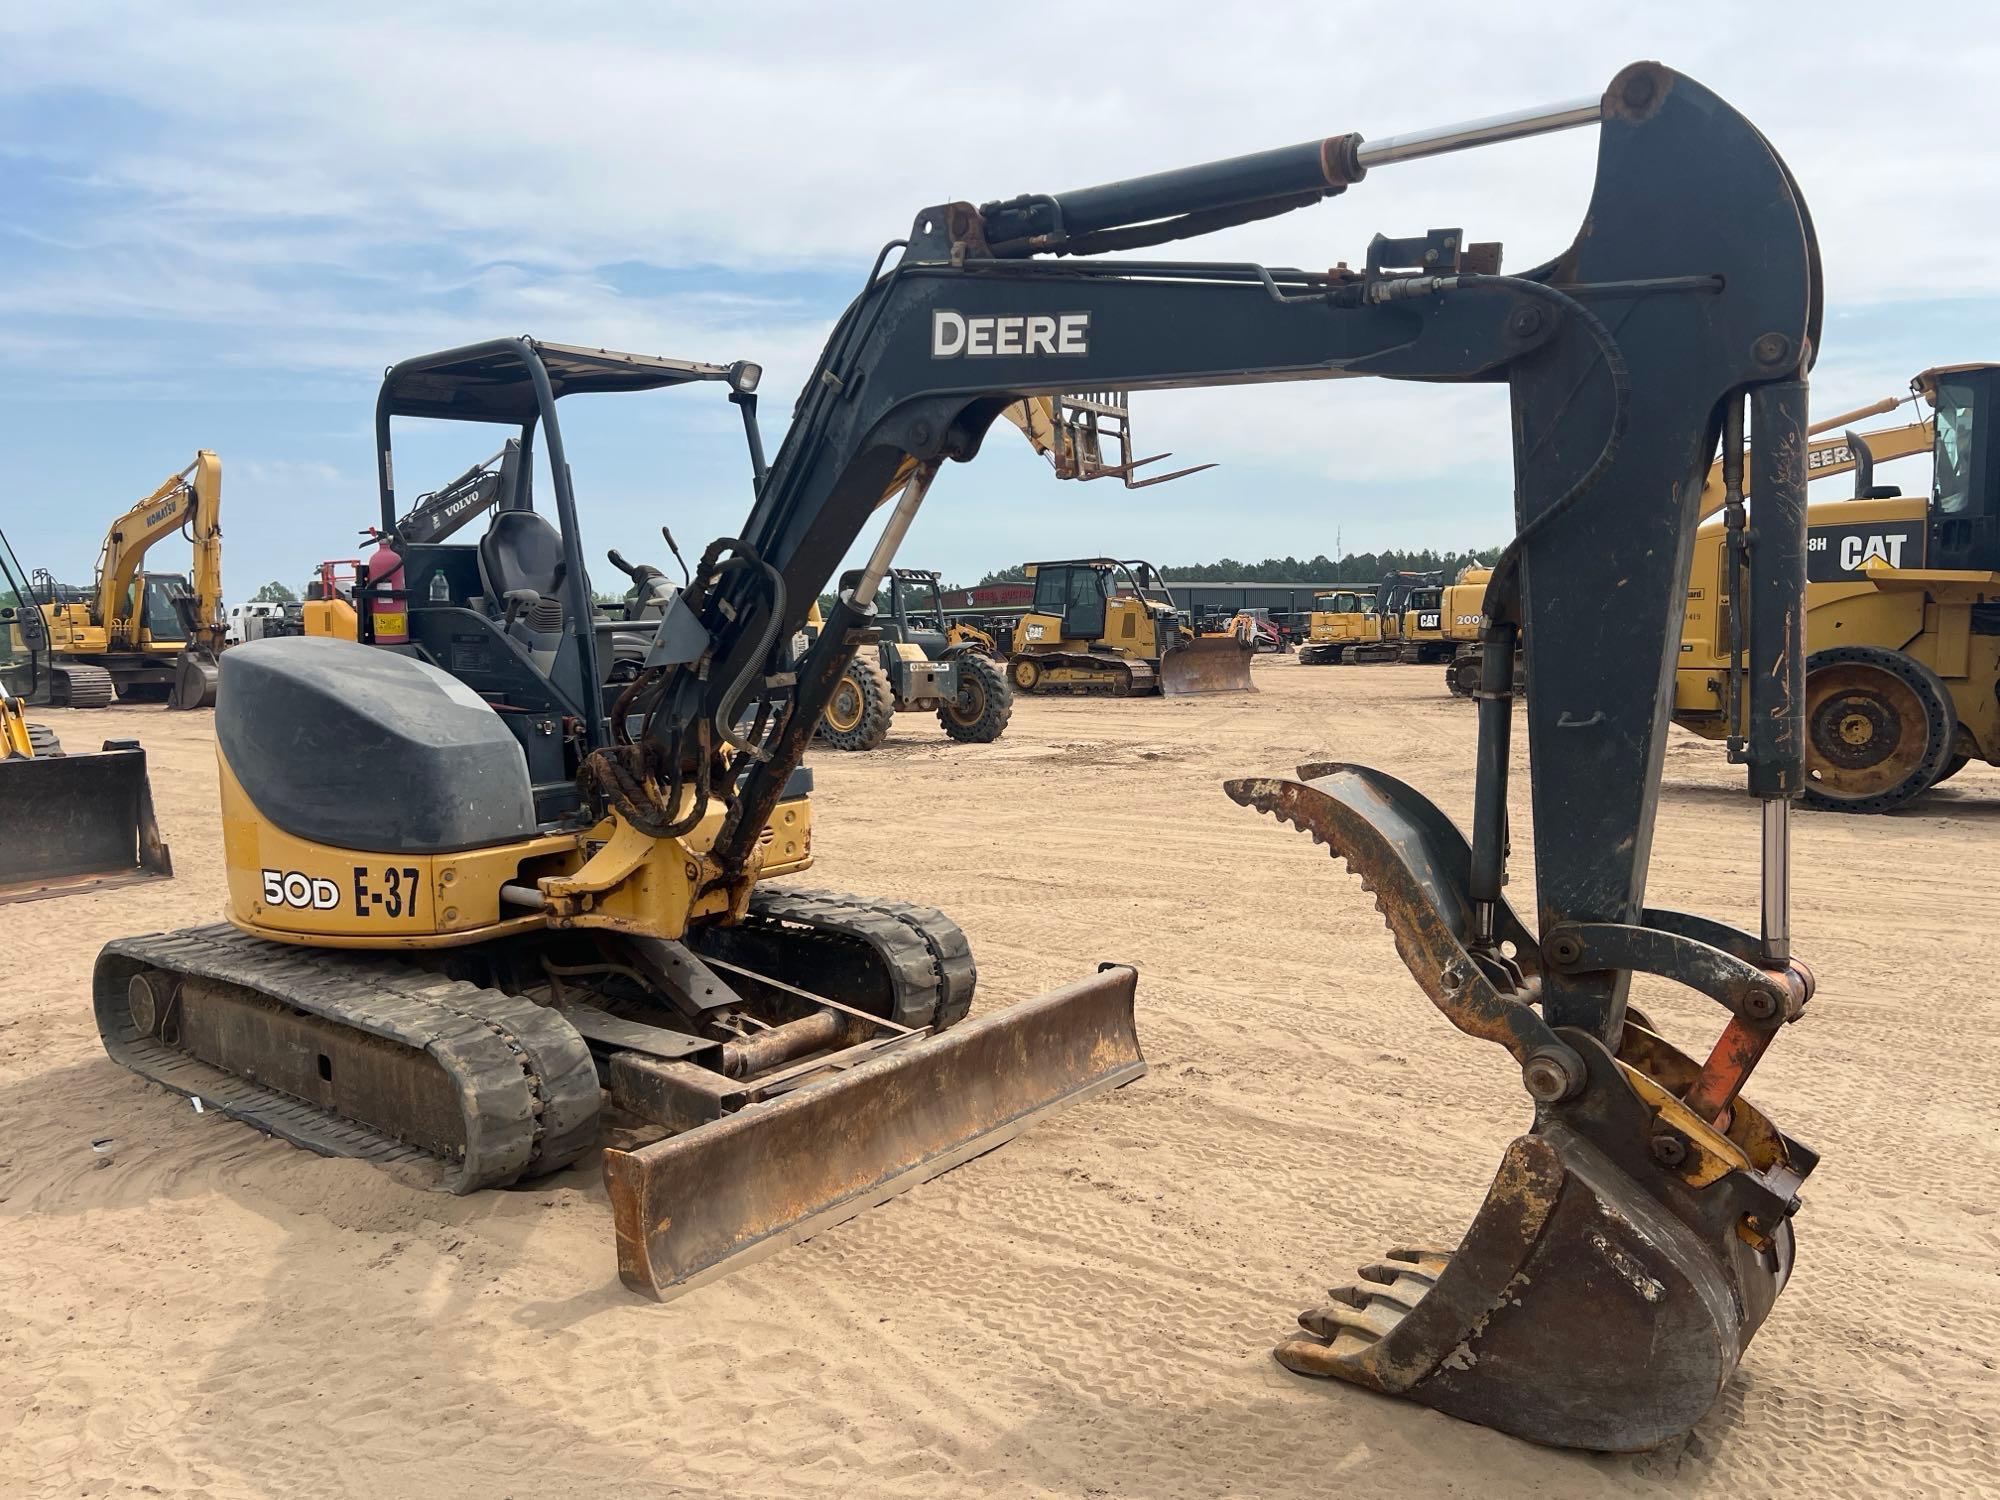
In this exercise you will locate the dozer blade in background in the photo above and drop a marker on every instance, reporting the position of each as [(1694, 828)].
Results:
[(687, 1208), (71, 823), (195, 677), (1608, 1286), (1208, 664)]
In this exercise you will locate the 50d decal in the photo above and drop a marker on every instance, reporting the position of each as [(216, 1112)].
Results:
[(294, 888)]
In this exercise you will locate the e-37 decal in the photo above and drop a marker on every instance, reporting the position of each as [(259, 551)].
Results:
[(392, 892)]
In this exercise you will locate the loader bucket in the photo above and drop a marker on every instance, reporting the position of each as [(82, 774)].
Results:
[(71, 823), (689, 1208), (195, 677), (1208, 664), (1608, 1286)]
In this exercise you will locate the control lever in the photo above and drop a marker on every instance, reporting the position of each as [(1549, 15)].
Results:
[(518, 600)]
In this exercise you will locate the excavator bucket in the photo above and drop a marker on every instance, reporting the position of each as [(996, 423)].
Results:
[(1608, 1286), (698, 1204), (71, 823), (1208, 664), (195, 677)]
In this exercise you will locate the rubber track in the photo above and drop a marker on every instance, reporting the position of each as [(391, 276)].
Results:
[(926, 955), (527, 1088), (83, 686)]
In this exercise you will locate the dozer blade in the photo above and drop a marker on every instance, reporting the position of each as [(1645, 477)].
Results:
[(71, 823), (690, 1207), (1607, 1288), (195, 677), (1208, 664)]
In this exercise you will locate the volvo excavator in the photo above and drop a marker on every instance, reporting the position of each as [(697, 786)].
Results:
[(136, 634), (415, 973)]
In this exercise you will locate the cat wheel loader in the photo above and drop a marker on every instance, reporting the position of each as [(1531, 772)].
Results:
[(1101, 626), (463, 979), (144, 635), (917, 666), (68, 823), (1902, 607)]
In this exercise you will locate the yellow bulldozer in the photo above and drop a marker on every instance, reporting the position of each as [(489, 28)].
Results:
[(1101, 626), (69, 823), (139, 634), (1902, 607)]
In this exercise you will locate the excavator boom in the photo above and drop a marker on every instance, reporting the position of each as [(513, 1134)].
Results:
[(1640, 1229)]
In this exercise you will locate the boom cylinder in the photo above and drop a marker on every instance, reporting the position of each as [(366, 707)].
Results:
[(1308, 168)]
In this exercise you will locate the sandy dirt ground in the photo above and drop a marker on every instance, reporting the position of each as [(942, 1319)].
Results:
[(194, 1309)]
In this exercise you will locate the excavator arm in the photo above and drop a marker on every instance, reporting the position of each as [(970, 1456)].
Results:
[(1639, 1231)]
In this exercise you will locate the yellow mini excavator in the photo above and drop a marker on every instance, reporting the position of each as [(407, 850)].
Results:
[(1101, 626), (1902, 619), (1339, 618), (478, 895), (69, 823), (135, 634)]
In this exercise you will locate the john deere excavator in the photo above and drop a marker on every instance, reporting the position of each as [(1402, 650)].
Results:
[(1902, 607), (69, 823), (418, 973), (137, 634), (1101, 626)]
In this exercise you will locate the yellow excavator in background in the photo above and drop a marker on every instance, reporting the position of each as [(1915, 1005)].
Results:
[(1359, 627), (1102, 626), (68, 823), (135, 634), (1340, 618), (1422, 639), (1902, 606)]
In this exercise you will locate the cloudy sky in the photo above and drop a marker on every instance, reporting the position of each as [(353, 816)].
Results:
[(221, 223)]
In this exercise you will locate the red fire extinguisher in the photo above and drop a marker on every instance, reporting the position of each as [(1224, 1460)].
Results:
[(388, 602)]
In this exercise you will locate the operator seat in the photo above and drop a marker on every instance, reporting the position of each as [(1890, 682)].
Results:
[(520, 551)]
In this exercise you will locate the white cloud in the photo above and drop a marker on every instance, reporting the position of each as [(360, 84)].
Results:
[(298, 196)]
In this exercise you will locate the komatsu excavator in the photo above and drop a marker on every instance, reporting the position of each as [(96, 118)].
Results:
[(145, 634), (420, 972)]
